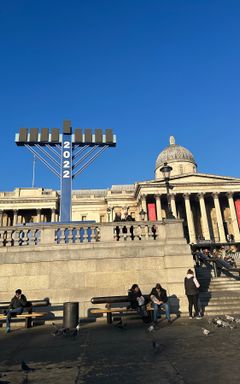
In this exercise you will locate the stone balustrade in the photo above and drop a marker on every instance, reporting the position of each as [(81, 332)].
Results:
[(31, 235)]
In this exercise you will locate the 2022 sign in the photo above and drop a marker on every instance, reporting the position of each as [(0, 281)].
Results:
[(66, 163)]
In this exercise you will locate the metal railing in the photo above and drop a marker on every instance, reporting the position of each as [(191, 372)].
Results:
[(217, 264)]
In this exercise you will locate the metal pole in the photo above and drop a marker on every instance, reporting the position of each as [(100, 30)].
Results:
[(34, 171), (169, 213), (66, 176)]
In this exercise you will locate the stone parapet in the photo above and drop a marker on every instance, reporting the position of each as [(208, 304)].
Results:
[(78, 271)]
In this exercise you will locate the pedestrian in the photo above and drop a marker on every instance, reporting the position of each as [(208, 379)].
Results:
[(159, 300), (17, 304), (191, 289)]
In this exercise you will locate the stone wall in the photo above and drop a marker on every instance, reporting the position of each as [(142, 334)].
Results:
[(78, 272)]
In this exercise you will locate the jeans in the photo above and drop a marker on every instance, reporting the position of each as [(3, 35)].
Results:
[(156, 308), (16, 311)]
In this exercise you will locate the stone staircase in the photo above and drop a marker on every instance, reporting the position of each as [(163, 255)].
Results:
[(218, 295)]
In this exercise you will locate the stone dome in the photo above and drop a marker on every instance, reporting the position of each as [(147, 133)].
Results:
[(180, 158)]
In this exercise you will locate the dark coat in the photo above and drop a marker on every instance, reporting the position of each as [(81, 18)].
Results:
[(18, 303), (190, 287), (161, 296), (132, 297)]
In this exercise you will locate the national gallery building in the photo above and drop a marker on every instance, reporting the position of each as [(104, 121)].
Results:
[(209, 205)]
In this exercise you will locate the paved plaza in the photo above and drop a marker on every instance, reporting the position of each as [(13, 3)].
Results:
[(109, 354)]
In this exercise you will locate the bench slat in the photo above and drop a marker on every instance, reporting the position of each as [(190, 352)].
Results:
[(25, 315), (113, 310)]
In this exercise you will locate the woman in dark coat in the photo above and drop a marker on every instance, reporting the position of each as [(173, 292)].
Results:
[(191, 289), (137, 302)]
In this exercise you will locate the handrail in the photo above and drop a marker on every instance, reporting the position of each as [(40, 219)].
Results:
[(217, 263)]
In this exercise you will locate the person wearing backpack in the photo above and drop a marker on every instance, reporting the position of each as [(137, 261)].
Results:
[(192, 292)]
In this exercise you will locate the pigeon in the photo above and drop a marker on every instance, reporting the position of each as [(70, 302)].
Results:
[(225, 324), (72, 333), (60, 332), (219, 323), (25, 368), (155, 344), (205, 331), (237, 321), (121, 325), (151, 328), (229, 318)]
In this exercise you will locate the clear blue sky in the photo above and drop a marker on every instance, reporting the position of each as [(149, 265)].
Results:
[(148, 69)]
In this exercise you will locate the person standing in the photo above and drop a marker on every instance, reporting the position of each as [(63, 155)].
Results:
[(16, 307), (159, 299), (191, 289)]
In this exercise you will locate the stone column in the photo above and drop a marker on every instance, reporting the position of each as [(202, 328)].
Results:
[(53, 215), (113, 214), (1, 218), (38, 215), (144, 206), (173, 205), (219, 218), (15, 217), (190, 223), (234, 219), (158, 207), (205, 226)]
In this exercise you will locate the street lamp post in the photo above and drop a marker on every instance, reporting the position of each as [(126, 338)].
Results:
[(166, 170), (109, 211), (142, 214)]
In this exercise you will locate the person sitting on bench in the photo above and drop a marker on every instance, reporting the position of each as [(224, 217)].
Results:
[(16, 307), (158, 297), (137, 302)]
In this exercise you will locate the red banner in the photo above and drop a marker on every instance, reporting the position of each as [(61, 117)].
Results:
[(151, 212), (237, 206)]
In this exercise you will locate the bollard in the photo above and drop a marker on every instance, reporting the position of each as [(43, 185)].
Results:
[(70, 315)]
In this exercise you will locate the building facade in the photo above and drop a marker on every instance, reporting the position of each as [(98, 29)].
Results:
[(209, 205)]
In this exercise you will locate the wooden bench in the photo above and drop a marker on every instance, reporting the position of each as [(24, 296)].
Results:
[(25, 315), (110, 311), (28, 313)]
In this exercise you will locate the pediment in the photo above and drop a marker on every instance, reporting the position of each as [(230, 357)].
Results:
[(194, 179), (203, 178)]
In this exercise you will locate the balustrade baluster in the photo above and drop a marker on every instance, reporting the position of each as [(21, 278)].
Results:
[(85, 235), (97, 234), (16, 239), (92, 234), (77, 236), (61, 236), (70, 235), (9, 239), (2, 238), (25, 238), (146, 232), (32, 236)]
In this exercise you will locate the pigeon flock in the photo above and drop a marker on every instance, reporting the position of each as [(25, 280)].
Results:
[(226, 321), (67, 332)]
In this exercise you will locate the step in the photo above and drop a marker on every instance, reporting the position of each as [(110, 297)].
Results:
[(221, 280), (210, 301), (227, 311)]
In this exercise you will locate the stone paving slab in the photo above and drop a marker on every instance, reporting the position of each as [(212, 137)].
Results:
[(108, 354)]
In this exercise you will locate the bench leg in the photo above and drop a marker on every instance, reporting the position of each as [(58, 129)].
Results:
[(28, 321), (109, 318)]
